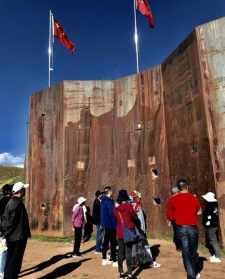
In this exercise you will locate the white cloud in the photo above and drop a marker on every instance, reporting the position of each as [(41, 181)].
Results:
[(8, 159)]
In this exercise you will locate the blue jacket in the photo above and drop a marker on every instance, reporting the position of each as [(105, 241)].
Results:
[(107, 213)]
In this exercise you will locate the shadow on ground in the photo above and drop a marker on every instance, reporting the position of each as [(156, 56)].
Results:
[(43, 265), (63, 270)]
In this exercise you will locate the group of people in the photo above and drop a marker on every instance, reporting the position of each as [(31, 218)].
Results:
[(120, 223), (121, 231), (182, 210), (14, 230)]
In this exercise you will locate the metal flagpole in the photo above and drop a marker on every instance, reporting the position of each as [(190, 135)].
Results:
[(50, 48), (136, 37)]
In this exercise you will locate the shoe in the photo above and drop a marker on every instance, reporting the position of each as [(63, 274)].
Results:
[(97, 253), (76, 256), (106, 262), (122, 275), (115, 264), (198, 276), (214, 259), (155, 265)]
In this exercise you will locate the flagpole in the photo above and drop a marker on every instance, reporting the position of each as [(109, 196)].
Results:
[(50, 49), (136, 37)]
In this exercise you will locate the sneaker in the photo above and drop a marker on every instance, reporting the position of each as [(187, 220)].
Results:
[(97, 253), (115, 264), (198, 276), (122, 275), (106, 262), (76, 256), (155, 265), (214, 259)]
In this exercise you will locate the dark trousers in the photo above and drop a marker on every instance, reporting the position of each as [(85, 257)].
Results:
[(14, 258), (212, 241), (77, 240), (188, 239), (125, 252), (99, 237), (109, 238)]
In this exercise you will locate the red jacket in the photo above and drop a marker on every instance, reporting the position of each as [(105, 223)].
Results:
[(124, 213)]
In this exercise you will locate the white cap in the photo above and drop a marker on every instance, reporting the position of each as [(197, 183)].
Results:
[(209, 197), (19, 186), (81, 200)]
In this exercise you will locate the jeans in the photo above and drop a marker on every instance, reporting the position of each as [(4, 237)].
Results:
[(99, 237), (3, 256), (175, 239), (212, 241), (110, 237), (125, 252), (188, 240), (77, 240)]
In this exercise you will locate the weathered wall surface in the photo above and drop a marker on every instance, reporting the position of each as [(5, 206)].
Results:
[(211, 46), (86, 134), (112, 134), (45, 161)]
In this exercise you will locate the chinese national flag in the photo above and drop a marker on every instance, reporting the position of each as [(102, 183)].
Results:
[(144, 8), (61, 36)]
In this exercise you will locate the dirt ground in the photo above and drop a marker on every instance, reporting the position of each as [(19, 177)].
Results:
[(48, 260)]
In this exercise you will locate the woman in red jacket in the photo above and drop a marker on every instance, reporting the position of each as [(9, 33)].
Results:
[(125, 216)]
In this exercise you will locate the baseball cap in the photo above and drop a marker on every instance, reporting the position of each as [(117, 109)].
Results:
[(19, 186)]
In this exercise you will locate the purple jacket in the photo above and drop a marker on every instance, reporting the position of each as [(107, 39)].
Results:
[(77, 216)]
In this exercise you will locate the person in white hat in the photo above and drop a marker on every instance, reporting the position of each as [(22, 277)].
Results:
[(78, 222), (210, 222), (16, 229)]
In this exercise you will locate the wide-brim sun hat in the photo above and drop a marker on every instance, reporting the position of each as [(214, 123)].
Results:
[(81, 200), (19, 186), (209, 197)]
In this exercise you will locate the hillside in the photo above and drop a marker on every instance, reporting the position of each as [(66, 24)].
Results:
[(10, 175)]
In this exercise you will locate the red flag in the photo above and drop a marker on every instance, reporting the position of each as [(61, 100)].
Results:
[(61, 36), (144, 8)]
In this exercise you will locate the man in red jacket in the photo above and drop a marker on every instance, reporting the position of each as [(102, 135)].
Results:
[(183, 209)]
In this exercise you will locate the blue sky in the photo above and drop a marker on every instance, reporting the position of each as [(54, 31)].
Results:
[(102, 31)]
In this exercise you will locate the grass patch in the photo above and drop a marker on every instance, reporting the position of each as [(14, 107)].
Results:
[(52, 238)]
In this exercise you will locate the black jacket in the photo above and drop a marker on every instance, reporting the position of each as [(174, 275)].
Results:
[(15, 223), (210, 216), (96, 214)]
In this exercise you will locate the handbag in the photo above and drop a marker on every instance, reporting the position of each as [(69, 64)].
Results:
[(129, 235)]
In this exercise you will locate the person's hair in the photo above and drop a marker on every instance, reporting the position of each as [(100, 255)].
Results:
[(98, 193), (123, 196), (107, 189), (7, 189), (182, 184)]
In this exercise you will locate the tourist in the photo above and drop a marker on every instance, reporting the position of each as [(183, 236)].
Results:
[(109, 224), (15, 227), (96, 216), (78, 222), (184, 208), (88, 224), (125, 218), (6, 191), (143, 255), (170, 217), (210, 220)]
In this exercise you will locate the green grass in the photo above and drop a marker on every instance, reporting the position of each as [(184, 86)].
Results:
[(10, 175), (52, 238)]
